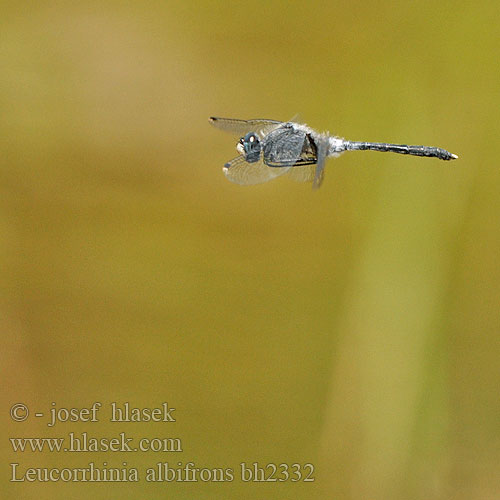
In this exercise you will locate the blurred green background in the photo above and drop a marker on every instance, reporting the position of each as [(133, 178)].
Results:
[(355, 328)]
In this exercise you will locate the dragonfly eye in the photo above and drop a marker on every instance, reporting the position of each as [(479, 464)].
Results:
[(251, 147)]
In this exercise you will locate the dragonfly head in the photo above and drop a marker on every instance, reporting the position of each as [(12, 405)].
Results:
[(249, 146)]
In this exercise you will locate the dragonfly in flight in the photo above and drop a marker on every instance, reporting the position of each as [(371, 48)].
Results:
[(270, 148)]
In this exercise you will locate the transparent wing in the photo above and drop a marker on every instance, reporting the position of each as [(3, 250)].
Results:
[(302, 174), (240, 171), (242, 127), (320, 166)]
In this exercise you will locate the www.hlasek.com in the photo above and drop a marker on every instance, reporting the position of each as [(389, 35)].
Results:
[(165, 472), (82, 442)]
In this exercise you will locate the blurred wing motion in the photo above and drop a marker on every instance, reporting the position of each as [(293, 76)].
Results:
[(302, 174), (240, 171), (242, 127), (320, 166)]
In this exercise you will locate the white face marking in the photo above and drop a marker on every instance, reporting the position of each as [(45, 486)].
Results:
[(239, 148), (252, 138)]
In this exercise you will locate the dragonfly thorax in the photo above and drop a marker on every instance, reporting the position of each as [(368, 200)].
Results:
[(249, 146)]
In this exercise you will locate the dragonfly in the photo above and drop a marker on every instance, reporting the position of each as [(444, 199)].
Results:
[(270, 148)]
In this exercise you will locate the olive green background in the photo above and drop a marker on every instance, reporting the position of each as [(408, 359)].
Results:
[(355, 328)]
